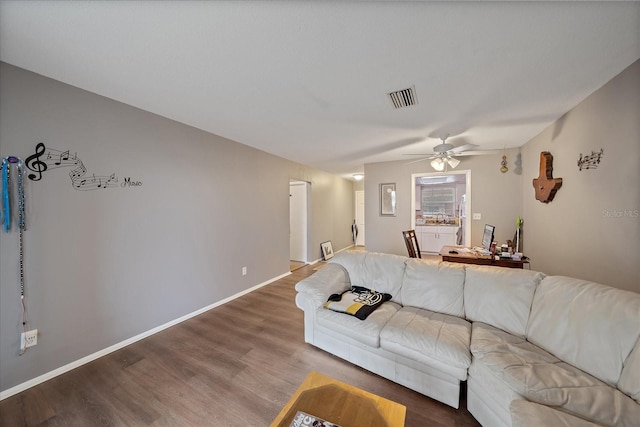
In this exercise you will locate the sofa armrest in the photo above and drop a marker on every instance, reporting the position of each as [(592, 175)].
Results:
[(330, 279)]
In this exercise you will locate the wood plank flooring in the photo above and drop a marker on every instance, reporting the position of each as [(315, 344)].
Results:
[(236, 365), (294, 265)]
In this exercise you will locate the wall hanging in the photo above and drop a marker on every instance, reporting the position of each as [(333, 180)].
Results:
[(503, 163), (45, 159), (545, 185), (388, 199), (17, 195), (354, 232), (591, 161)]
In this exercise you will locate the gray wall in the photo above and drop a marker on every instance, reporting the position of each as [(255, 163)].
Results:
[(493, 194), (591, 229), (104, 266)]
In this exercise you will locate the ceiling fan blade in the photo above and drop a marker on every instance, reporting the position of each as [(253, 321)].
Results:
[(477, 153), (419, 160), (418, 154), (462, 148)]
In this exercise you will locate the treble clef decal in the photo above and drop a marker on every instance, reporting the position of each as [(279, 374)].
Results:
[(34, 163)]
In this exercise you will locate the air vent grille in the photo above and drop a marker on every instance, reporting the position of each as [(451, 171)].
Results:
[(404, 97)]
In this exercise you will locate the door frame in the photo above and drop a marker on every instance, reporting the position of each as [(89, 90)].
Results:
[(304, 218), (361, 232), (467, 223)]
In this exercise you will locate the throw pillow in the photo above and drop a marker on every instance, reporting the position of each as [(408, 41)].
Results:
[(359, 302)]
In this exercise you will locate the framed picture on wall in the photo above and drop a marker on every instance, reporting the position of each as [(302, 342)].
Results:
[(388, 199), (327, 250)]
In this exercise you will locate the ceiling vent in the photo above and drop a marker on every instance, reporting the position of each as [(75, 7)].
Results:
[(404, 97)]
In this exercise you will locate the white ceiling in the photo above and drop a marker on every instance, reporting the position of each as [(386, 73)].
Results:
[(308, 80)]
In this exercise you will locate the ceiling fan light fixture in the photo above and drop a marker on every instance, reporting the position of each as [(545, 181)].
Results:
[(453, 162), (437, 164)]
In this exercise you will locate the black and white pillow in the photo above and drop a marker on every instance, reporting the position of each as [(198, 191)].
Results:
[(358, 301)]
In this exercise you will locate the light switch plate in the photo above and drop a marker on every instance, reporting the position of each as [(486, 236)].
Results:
[(477, 216)]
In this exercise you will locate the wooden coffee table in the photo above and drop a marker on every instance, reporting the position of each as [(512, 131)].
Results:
[(341, 404)]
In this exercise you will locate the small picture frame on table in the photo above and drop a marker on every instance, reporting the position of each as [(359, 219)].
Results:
[(327, 250)]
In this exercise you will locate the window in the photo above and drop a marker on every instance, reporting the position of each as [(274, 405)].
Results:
[(438, 199)]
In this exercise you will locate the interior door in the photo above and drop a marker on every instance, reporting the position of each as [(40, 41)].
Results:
[(360, 217), (298, 221)]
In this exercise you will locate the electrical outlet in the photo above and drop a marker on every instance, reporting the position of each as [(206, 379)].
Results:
[(28, 339), (477, 216), (244, 271)]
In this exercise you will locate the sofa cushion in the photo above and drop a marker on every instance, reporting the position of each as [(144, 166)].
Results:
[(541, 377), (629, 382), (353, 263), (419, 334), (529, 414), (377, 271), (484, 386), (365, 331), (500, 296), (588, 325), (435, 286), (578, 393), (496, 347)]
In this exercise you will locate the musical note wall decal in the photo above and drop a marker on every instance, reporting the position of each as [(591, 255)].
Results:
[(590, 161), (45, 159), (34, 163)]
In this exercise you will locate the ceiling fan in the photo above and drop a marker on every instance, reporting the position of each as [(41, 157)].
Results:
[(444, 154)]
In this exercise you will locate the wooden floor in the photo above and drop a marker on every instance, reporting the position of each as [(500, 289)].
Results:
[(294, 265), (236, 365)]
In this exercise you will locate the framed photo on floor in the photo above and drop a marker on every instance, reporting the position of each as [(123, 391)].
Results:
[(327, 250)]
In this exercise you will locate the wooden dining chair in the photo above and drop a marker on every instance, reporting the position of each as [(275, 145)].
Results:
[(411, 241)]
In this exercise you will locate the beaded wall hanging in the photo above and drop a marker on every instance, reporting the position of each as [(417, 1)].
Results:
[(17, 196)]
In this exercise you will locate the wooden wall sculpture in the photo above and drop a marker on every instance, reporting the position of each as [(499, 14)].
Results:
[(545, 185)]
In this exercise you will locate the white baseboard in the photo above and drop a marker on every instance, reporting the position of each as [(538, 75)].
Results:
[(70, 366)]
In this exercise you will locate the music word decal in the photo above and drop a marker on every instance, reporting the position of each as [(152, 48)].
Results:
[(45, 159)]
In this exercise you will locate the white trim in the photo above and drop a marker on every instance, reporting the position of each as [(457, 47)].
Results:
[(70, 366), (299, 211), (467, 173)]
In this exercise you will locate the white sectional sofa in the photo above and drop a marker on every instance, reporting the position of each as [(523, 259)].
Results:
[(534, 350)]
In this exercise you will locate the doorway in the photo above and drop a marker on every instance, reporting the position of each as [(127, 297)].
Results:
[(298, 220), (443, 196), (360, 218)]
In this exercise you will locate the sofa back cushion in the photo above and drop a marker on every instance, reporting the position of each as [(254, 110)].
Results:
[(434, 285), (353, 262), (371, 270), (591, 326), (500, 296)]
